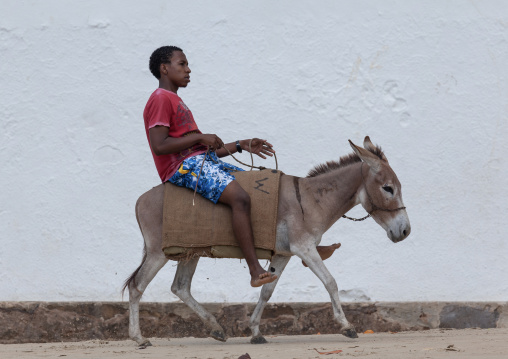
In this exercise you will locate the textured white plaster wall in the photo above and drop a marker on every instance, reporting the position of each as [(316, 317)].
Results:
[(427, 80)]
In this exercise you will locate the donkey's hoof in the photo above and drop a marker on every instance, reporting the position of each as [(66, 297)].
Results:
[(145, 344), (350, 333), (218, 335), (258, 340)]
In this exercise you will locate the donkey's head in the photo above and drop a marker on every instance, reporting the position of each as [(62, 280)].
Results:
[(381, 194)]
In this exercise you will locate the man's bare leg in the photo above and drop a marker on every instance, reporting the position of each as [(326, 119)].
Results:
[(239, 201)]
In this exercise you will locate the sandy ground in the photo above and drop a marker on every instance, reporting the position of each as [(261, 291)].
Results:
[(468, 343)]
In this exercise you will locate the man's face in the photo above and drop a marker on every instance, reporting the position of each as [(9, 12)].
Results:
[(177, 71)]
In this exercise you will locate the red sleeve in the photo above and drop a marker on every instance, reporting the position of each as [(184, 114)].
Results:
[(160, 111)]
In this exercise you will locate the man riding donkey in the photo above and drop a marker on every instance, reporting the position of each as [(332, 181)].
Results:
[(188, 158)]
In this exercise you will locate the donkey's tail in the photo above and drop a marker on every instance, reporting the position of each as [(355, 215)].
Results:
[(132, 278)]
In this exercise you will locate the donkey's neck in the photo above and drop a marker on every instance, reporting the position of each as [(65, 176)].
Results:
[(331, 195)]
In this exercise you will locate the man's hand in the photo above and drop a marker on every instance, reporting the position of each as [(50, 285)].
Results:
[(212, 141), (258, 147)]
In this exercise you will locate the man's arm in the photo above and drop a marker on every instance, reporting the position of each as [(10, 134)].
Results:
[(163, 144), (231, 147), (258, 147)]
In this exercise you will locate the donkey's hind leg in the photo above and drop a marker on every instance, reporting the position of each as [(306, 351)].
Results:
[(149, 215), (278, 264), (181, 288), (152, 263)]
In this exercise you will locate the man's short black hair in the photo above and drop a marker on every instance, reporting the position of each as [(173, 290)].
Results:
[(161, 55)]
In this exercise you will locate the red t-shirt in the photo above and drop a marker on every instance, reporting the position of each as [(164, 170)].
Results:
[(165, 108)]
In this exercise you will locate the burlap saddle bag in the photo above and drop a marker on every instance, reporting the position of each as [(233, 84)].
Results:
[(205, 229)]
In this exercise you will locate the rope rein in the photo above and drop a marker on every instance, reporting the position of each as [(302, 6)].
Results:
[(199, 174), (356, 219)]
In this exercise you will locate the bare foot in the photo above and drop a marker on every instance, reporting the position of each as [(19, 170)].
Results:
[(263, 278)]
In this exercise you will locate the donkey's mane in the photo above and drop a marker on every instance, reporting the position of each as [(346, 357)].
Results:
[(344, 161)]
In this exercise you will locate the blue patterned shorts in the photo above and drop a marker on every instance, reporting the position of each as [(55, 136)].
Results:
[(215, 175)]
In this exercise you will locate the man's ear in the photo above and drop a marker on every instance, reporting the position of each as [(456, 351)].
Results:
[(163, 69), (372, 160)]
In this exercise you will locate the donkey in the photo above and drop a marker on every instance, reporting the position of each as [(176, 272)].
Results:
[(308, 207)]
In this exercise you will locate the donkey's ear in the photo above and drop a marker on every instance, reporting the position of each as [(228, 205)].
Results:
[(366, 156), (367, 143)]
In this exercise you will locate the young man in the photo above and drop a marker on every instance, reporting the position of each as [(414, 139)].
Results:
[(178, 149)]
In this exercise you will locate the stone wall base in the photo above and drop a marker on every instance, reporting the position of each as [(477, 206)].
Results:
[(24, 322)]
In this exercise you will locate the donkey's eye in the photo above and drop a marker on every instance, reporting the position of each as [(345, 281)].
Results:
[(388, 189)]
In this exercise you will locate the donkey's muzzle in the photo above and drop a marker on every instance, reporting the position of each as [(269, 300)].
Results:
[(401, 234)]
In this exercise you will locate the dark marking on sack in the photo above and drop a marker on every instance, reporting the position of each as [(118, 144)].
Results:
[(261, 185)]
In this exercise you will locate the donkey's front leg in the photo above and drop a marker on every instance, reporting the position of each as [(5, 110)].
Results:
[(312, 258), (181, 288), (278, 264)]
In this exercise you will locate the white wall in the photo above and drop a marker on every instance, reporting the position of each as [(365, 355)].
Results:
[(427, 80)]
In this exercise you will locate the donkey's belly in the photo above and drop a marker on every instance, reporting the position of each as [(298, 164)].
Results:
[(182, 253)]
